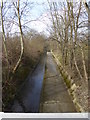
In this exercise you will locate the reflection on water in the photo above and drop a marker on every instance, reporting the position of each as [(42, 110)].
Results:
[(28, 98)]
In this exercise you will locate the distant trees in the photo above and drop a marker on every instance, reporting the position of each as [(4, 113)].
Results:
[(67, 23), (3, 32), (18, 10), (69, 35), (66, 33), (22, 46)]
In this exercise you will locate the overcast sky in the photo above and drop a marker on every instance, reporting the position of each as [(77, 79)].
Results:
[(38, 11)]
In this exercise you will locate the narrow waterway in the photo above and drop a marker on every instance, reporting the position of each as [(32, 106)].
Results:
[(44, 96), (28, 98), (55, 97)]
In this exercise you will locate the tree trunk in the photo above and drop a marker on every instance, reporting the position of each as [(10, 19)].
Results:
[(21, 39), (4, 38), (84, 66), (77, 66)]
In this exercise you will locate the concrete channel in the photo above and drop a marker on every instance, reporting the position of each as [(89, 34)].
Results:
[(28, 98), (55, 97), (44, 91)]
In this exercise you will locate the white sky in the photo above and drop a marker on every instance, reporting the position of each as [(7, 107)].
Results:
[(36, 12)]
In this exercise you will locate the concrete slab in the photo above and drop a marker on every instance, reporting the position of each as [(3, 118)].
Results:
[(55, 97)]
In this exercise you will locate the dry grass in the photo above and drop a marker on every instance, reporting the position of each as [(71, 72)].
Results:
[(82, 90), (32, 51)]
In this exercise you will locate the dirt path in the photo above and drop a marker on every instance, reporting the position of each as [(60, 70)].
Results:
[(55, 97)]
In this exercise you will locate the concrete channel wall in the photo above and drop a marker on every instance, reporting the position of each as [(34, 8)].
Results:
[(70, 84), (28, 96)]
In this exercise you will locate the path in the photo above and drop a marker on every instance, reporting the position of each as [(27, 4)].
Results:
[(55, 97)]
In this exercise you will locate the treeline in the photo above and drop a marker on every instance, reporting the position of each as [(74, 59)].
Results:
[(34, 48), (70, 31), (21, 50), (69, 42)]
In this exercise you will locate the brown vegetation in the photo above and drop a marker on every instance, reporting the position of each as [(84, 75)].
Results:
[(70, 45), (31, 56), (68, 41)]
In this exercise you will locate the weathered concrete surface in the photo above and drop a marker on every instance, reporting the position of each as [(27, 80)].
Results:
[(55, 97)]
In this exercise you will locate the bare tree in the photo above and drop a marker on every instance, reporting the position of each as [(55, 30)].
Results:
[(67, 37), (21, 37), (84, 64), (75, 28), (3, 31)]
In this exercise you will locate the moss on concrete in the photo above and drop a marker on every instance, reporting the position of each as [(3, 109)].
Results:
[(69, 85)]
